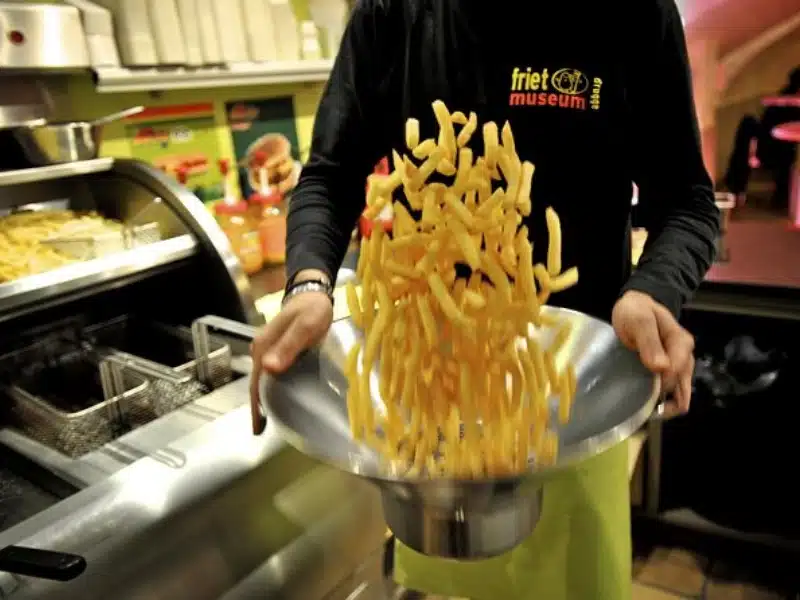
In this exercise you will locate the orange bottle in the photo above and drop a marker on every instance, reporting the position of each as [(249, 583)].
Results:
[(272, 226), (245, 242)]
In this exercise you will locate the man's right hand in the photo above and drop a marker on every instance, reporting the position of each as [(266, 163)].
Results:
[(303, 321)]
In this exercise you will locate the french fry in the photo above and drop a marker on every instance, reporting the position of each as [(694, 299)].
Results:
[(412, 134), (554, 242), (463, 378)]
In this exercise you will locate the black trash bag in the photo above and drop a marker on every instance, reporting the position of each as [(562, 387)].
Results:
[(731, 425), (743, 369), (750, 366)]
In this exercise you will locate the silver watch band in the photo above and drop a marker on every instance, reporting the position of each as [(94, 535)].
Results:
[(308, 286)]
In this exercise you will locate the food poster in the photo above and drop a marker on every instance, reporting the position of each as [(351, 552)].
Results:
[(181, 141), (265, 145)]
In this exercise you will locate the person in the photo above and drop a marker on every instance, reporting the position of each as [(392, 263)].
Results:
[(598, 96), (754, 147)]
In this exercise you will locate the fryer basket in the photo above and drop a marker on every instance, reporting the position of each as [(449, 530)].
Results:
[(72, 430)]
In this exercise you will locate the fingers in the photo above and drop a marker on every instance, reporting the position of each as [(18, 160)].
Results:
[(647, 341), (258, 420), (301, 323), (308, 318), (679, 346), (683, 389), (260, 346), (663, 345), (296, 338), (681, 396)]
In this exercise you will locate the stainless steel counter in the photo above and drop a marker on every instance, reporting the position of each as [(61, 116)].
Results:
[(213, 512), (189, 505)]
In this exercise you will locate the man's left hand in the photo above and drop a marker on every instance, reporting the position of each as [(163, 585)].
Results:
[(664, 347)]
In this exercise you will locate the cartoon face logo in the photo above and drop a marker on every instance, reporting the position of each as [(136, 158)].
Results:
[(570, 81)]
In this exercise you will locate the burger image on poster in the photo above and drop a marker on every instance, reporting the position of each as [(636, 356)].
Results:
[(269, 163)]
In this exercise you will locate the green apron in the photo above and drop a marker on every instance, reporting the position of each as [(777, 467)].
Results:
[(580, 550)]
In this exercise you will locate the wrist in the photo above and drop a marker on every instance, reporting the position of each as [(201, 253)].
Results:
[(308, 281), (310, 275)]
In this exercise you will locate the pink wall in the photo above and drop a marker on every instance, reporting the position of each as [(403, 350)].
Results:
[(715, 28), (734, 22)]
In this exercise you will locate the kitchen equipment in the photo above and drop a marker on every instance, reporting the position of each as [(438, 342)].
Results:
[(463, 519), (41, 35), (167, 32), (66, 142), (99, 27), (198, 464), (164, 344), (287, 30), (209, 38), (230, 30), (62, 396), (260, 31), (133, 30), (167, 351), (167, 389), (190, 23)]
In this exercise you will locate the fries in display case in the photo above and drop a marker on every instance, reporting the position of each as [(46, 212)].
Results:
[(33, 242)]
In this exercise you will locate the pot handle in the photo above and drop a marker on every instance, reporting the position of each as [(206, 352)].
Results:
[(122, 114), (42, 564)]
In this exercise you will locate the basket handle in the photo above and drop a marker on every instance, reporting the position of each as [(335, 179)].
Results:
[(202, 347), (123, 360), (201, 339)]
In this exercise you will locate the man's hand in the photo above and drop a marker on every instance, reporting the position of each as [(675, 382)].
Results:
[(303, 321), (664, 347)]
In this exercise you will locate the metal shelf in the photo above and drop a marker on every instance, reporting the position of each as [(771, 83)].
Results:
[(62, 284), (120, 79), (60, 171)]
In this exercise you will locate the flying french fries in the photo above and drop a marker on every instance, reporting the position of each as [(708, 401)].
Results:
[(463, 374)]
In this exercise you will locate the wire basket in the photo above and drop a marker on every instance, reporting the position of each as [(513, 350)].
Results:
[(159, 352), (62, 398), (167, 345)]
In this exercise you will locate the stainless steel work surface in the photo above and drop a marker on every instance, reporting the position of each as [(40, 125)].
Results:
[(228, 507)]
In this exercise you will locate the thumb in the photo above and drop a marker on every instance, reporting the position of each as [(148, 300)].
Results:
[(296, 338), (648, 344)]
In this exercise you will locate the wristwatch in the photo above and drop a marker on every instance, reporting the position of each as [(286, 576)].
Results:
[(308, 285)]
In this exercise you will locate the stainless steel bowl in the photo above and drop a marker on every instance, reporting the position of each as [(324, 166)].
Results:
[(463, 519), (47, 144)]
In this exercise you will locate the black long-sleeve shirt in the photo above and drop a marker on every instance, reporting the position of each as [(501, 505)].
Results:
[(598, 96)]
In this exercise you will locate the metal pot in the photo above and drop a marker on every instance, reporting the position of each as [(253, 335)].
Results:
[(463, 519), (66, 142)]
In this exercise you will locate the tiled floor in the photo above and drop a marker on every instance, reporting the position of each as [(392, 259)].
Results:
[(673, 574)]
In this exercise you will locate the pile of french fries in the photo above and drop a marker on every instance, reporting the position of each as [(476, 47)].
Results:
[(462, 371)]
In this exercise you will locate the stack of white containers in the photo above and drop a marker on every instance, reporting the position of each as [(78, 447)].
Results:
[(197, 33), (287, 32), (330, 17)]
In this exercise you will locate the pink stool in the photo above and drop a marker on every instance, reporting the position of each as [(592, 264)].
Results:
[(725, 202), (793, 100), (790, 132)]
